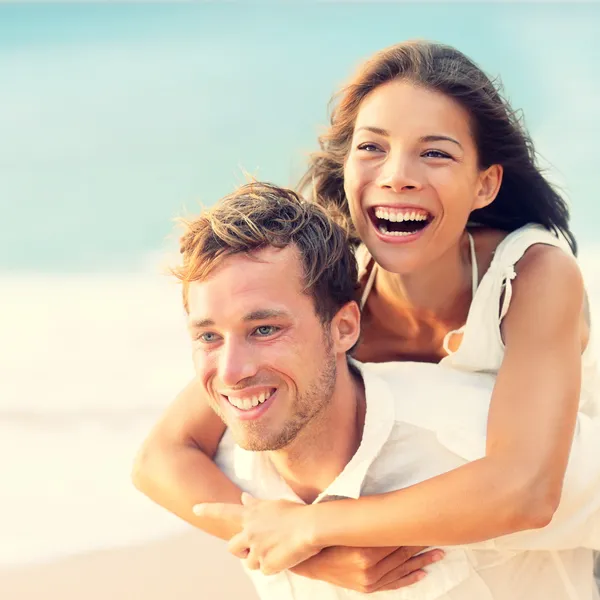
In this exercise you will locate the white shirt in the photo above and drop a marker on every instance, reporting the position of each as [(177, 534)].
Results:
[(423, 420)]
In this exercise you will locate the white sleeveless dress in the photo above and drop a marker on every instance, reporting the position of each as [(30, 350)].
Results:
[(482, 350)]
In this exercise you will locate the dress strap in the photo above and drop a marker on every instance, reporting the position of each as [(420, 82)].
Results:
[(369, 285), (474, 267), (474, 284)]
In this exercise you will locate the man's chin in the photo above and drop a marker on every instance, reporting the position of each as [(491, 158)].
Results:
[(259, 442), (254, 445)]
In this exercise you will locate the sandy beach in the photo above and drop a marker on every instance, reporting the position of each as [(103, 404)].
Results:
[(191, 566)]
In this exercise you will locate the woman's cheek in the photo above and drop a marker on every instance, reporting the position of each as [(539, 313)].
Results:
[(352, 192)]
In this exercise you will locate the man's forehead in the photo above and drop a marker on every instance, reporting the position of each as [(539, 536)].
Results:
[(244, 273), (249, 265), (244, 287)]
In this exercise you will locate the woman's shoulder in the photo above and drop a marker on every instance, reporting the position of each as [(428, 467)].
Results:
[(532, 256), (531, 244)]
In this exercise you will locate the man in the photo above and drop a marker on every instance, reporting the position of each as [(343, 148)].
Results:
[(269, 284)]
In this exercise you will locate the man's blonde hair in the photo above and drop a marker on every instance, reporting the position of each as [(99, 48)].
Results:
[(259, 215)]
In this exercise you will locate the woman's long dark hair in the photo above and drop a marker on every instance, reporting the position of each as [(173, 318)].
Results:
[(525, 196)]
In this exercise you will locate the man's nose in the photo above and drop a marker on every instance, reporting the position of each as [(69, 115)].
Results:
[(236, 363), (400, 174)]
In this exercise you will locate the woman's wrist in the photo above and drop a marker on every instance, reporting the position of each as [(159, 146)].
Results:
[(325, 523)]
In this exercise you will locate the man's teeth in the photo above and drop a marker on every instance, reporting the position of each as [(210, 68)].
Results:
[(397, 216), (249, 401)]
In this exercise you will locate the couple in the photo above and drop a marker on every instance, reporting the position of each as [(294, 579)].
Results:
[(436, 198), (269, 285)]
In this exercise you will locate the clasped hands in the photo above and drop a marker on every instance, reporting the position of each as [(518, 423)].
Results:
[(275, 535)]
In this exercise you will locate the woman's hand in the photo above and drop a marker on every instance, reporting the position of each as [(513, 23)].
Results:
[(276, 534)]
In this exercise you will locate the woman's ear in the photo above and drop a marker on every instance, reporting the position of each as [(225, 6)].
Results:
[(345, 327), (490, 181)]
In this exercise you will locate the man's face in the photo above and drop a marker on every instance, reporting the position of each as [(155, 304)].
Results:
[(260, 351)]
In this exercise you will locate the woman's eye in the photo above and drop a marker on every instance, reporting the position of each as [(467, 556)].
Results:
[(368, 147), (436, 154), (265, 330)]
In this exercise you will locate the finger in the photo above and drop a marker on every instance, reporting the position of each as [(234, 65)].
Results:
[(393, 558), (268, 570), (410, 579), (220, 511), (252, 562), (409, 571), (410, 551), (248, 500), (378, 554), (238, 545)]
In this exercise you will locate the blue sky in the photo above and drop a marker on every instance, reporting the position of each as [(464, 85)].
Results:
[(117, 117)]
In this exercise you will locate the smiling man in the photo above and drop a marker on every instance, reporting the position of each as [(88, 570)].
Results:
[(269, 283)]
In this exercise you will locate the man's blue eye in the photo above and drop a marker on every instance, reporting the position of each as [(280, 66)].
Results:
[(265, 330), (208, 337)]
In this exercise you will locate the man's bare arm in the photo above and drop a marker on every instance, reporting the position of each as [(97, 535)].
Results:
[(174, 466)]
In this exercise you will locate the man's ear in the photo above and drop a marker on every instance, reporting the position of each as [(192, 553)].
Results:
[(345, 327), (490, 181)]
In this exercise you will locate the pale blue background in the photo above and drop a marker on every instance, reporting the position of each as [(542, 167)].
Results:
[(114, 118)]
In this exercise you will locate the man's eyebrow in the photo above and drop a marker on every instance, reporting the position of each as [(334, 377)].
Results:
[(256, 315), (266, 313), (201, 324)]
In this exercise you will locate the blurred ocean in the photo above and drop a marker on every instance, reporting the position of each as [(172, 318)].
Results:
[(116, 118), (90, 362)]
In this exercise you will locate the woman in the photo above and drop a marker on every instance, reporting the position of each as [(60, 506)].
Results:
[(468, 261)]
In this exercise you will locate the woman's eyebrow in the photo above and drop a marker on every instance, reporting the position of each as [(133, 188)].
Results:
[(433, 137), (440, 138), (376, 130)]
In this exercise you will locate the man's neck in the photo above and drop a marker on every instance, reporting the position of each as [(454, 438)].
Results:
[(324, 447)]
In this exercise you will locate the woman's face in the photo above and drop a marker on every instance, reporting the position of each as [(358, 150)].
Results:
[(412, 177)]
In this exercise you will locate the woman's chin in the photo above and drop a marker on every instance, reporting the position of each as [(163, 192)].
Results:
[(400, 260)]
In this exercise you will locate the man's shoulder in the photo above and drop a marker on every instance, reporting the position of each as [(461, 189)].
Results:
[(408, 376), (420, 388)]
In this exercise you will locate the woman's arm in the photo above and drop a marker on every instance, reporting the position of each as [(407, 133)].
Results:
[(174, 466), (517, 485)]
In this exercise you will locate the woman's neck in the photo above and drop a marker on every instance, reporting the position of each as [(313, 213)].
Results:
[(442, 290)]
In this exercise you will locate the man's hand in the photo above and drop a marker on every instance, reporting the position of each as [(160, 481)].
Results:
[(368, 570), (272, 540)]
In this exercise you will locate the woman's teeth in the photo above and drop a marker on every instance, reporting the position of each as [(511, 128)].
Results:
[(384, 229), (249, 402), (397, 216), (400, 222)]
